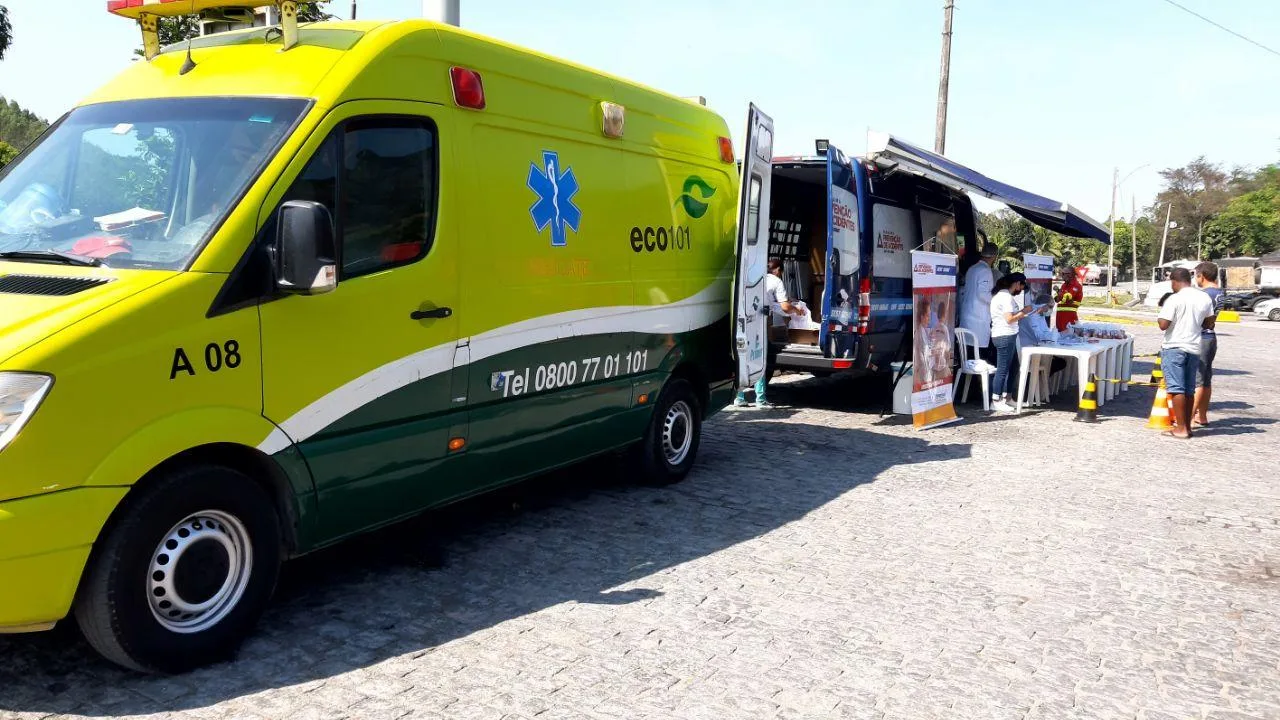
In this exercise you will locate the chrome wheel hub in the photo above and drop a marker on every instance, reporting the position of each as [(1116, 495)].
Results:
[(199, 571), (677, 433)]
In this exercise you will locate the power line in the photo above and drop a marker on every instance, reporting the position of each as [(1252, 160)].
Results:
[(1251, 41)]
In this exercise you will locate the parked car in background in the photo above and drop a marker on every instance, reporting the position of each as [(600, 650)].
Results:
[(1269, 309), (1246, 301)]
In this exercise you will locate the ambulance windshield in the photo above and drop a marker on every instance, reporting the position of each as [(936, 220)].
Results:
[(139, 183)]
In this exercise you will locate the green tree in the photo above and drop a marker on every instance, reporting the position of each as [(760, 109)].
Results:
[(6, 31), (1015, 235), (7, 153), (1199, 190), (19, 127), (1148, 245), (1250, 223)]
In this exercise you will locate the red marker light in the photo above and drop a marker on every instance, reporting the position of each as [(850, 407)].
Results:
[(726, 150), (468, 89), (841, 364), (864, 305)]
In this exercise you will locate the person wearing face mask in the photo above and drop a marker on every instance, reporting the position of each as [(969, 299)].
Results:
[(1006, 313)]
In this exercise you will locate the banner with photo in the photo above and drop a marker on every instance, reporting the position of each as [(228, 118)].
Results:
[(933, 283), (1039, 272)]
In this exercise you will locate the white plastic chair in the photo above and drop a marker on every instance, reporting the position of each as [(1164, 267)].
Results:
[(971, 364), (1038, 390)]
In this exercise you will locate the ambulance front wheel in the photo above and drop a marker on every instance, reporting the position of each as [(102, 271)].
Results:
[(670, 444), (184, 571)]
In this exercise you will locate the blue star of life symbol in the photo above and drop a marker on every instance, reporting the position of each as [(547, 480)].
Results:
[(555, 191)]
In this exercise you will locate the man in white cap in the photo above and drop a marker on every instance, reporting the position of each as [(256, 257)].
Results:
[(975, 299)]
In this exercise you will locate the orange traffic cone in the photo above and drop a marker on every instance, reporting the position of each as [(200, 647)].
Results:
[(1161, 411), (1157, 372)]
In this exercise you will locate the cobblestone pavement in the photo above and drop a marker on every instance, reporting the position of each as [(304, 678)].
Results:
[(820, 562)]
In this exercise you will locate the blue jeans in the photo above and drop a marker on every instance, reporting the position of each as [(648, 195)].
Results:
[(1006, 363), (1208, 351), (1179, 370)]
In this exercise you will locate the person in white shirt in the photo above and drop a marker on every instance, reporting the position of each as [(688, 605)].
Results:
[(775, 293), (975, 299), (1005, 314), (1183, 318)]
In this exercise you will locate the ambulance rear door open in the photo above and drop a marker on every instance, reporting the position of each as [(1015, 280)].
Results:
[(750, 309)]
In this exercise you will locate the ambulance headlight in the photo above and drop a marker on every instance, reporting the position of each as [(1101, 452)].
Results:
[(20, 395)]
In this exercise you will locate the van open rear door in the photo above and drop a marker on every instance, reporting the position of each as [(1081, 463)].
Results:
[(750, 310), (838, 335)]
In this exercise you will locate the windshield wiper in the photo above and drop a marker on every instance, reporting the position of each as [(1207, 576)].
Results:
[(56, 256)]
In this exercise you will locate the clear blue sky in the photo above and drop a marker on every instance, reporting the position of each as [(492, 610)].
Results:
[(1047, 95)]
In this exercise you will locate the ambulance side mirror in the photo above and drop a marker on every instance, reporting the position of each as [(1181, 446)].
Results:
[(305, 253)]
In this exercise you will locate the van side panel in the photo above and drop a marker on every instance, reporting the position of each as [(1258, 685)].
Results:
[(537, 304), (561, 338)]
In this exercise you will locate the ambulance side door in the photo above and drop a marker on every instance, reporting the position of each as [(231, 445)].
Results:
[(361, 379)]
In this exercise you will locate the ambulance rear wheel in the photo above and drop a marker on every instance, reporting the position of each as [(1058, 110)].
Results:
[(183, 573), (670, 444)]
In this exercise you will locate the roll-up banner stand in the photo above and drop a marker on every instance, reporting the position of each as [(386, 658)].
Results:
[(933, 282)]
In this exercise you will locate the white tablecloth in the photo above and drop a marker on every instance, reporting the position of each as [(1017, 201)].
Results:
[(1108, 359)]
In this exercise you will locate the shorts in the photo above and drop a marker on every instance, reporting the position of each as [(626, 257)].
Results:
[(1208, 351), (1179, 370)]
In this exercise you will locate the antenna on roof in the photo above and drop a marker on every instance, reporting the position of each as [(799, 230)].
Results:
[(188, 65)]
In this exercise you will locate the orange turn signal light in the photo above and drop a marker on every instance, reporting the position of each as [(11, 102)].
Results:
[(726, 150), (456, 444)]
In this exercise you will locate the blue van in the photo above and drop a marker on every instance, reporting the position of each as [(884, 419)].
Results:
[(845, 228)]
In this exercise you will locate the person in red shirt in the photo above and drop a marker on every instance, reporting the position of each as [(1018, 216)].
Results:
[(1068, 298)]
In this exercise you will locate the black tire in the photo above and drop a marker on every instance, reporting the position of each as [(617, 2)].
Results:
[(663, 457), (1274, 315), (214, 505)]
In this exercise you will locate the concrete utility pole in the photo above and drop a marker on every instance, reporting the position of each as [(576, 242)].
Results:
[(1133, 234), (1167, 217), (944, 80), (1111, 247), (445, 11)]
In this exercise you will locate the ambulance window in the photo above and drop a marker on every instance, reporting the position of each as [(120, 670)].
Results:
[(753, 211), (318, 181), (119, 168), (388, 193)]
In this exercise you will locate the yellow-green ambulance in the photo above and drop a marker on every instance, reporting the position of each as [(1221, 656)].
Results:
[(255, 299)]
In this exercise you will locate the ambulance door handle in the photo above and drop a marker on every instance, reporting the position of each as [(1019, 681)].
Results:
[(432, 314)]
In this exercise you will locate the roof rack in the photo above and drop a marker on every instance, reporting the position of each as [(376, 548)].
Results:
[(148, 13)]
